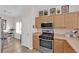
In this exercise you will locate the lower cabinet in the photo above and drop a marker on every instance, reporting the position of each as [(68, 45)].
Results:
[(68, 48), (58, 46), (35, 41), (62, 46)]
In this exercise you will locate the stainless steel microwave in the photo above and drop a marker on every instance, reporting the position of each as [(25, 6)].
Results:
[(46, 25)]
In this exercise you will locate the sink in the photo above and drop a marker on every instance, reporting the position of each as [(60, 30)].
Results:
[(68, 35), (72, 36)]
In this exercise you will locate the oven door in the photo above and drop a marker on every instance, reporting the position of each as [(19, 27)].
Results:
[(46, 43)]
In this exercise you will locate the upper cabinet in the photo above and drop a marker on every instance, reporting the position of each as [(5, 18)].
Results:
[(70, 20), (67, 20), (42, 19), (58, 21)]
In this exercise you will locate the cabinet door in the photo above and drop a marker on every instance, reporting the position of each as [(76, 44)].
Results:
[(58, 46), (59, 21), (70, 20), (68, 48), (78, 20), (42, 19), (38, 23), (35, 42)]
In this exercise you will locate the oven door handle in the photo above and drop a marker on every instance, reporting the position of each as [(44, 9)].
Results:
[(46, 40)]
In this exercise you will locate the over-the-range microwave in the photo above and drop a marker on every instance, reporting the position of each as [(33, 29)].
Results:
[(47, 25)]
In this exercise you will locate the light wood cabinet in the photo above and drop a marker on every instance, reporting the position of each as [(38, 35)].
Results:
[(68, 48), (62, 46), (67, 20), (42, 19), (78, 20), (59, 21), (70, 20), (58, 46), (35, 41)]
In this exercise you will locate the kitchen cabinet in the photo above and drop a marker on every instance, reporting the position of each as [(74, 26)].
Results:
[(70, 20), (58, 45), (42, 19), (62, 46), (58, 21), (35, 41), (68, 48), (67, 20), (78, 20)]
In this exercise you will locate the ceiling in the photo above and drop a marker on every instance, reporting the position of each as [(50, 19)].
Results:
[(11, 10)]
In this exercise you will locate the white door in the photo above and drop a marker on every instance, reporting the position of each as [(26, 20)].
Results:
[(26, 33)]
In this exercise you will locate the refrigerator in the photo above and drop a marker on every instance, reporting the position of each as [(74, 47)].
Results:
[(2, 28), (0, 35)]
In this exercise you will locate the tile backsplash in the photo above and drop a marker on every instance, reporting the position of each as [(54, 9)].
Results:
[(58, 31), (62, 31)]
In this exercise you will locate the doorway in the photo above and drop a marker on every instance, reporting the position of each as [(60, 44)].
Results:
[(18, 30)]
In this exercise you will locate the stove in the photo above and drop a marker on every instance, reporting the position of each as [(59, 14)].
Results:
[(46, 41)]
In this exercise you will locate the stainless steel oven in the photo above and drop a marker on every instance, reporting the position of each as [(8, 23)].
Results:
[(46, 43), (46, 46)]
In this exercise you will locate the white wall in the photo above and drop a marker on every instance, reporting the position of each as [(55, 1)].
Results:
[(74, 8), (10, 23)]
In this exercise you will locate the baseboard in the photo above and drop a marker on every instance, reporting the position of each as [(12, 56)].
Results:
[(16, 38), (27, 47)]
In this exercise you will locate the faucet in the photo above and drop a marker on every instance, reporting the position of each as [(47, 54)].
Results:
[(75, 32)]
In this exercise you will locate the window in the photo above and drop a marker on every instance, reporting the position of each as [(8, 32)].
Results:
[(18, 27)]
